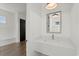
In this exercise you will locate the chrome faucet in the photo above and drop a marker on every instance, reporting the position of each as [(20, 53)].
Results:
[(53, 36)]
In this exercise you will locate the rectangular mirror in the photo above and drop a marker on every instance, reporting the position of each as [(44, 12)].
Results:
[(54, 22)]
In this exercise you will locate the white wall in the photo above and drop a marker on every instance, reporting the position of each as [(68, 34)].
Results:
[(33, 25), (22, 15), (7, 30), (75, 25), (10, 31), (66, 19), (65, 23)]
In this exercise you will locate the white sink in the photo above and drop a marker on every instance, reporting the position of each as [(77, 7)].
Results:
[(56, 47)]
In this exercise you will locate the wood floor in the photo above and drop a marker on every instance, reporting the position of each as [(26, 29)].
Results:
[(15, 49)]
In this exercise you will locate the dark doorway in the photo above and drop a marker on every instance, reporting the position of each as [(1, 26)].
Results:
[(22, 30)]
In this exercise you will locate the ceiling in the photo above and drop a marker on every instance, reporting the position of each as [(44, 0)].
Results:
[(20, 7), (61, 6)]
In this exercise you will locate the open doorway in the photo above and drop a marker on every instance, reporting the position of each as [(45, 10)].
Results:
[(22, 30)]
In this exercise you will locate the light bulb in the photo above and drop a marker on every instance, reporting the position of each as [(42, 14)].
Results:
[(51, 6)]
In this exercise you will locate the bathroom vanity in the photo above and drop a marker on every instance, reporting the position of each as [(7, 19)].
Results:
[(56, 47)]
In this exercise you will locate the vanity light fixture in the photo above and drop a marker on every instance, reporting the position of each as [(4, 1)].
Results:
[(51, 6)]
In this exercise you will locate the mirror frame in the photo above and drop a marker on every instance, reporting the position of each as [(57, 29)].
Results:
[(48, 22)]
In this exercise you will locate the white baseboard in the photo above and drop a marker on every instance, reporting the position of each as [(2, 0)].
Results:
[(7, 41)]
